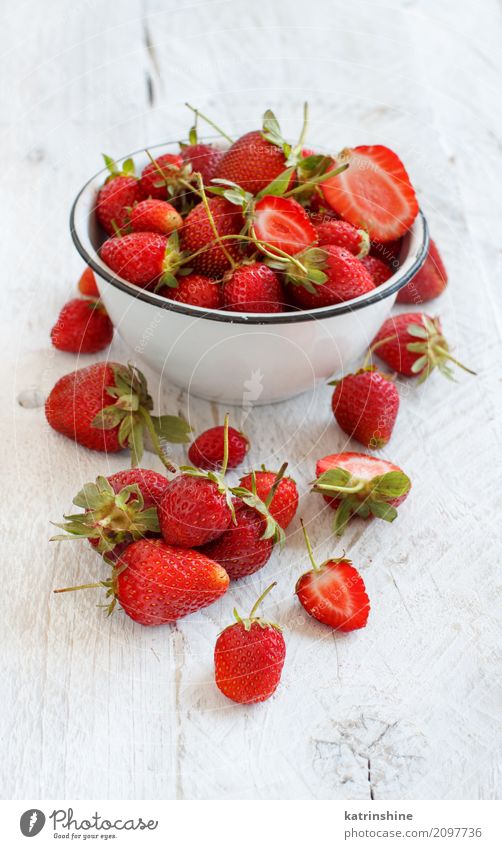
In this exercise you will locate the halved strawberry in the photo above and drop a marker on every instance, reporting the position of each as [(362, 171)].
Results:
[(374, 192), (360, 485), (334, 593), (284, 224)]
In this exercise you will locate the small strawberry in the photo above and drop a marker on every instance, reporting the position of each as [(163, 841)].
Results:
[(87, 284), (284, 502), (375, 192), (106, 407), (413, 345), (145, 259), (360, 485), (162, 178), (198, 234), (155, 583), (208, 450), (253, 288), (154, 216), (365, 405), (196, 289), (380, 271), (117, 510), (345, 278), (83, 327), (203, 158), (344, 235), (256, 159), (283, 224), (197, 506), (120, 191), (248, 658), (334, 593), (427, 283)]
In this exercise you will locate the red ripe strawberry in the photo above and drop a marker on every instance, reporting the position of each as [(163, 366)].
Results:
[(379, 270), (252, 162), (282, 223), (374, 192), (347, 278), (248, 658), (428, 283), (360, 485), (208, 450), (87, 284), (197, 233), (344, 235), (284, 503), (196, 289), (160, 179), (365, 405), (106, 407), (117, 510), (194, 510), (388, 252), (154, 216), (83, 327), (253, 288), (203, 158), (243, 548), (156, 583), (120, 192), (334, 593), (413, 344), (141, 258)]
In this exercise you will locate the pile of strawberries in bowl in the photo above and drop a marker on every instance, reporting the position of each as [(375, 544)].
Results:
[(261, 227)]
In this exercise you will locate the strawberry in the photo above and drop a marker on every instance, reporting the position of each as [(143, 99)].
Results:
[(248, 658), (208, 450), (374, 192), (83, 327), (388, 252), (87, 284), (413, 344), (252, 288), (198, 235), (106, 407), (120, 191), (117, 510), (196, 289), (379, 270), (360, 485), (284, 503), (155, 583), (334, 593), (243, 548), (283, 224), (154, 216), (346, 278), (427, 283), (203, 158), (365, 405), (161, 178), (344, 235), (145, 259), (253, 161)]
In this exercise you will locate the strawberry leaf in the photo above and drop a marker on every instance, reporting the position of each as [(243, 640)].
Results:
[(171, 428), (391, 485), (278, 186), (381, 510)]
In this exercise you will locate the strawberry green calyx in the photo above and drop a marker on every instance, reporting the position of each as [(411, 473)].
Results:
[(111, 587), (217, 478), (364, 498), (127, 169), (250, 497), (171, 265), (433, 348), (364, 368), (109, 518), (252, 618), (303, 269), (131, 414)]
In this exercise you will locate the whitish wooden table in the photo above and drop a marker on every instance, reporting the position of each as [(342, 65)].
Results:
[(411, 706)]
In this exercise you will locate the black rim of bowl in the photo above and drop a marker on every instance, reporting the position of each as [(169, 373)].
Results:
[(379, 294)]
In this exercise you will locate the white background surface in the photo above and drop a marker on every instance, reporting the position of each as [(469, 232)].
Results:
[(408, 708)]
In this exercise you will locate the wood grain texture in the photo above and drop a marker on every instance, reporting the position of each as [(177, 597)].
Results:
[(411, 706)]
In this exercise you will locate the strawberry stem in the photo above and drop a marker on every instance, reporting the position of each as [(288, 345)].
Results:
[(305, 124), (155, 440), (211, 123), (225, 446), (309, 547), (310, 184), (273, 488), (209, 214), (80, 587), (446, 354), (259, 601)]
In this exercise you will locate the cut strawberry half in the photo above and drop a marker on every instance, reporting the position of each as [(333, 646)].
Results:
[(283, 224), (374, 192)]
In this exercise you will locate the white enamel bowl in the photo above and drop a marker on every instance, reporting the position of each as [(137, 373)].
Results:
[(231, 357)]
